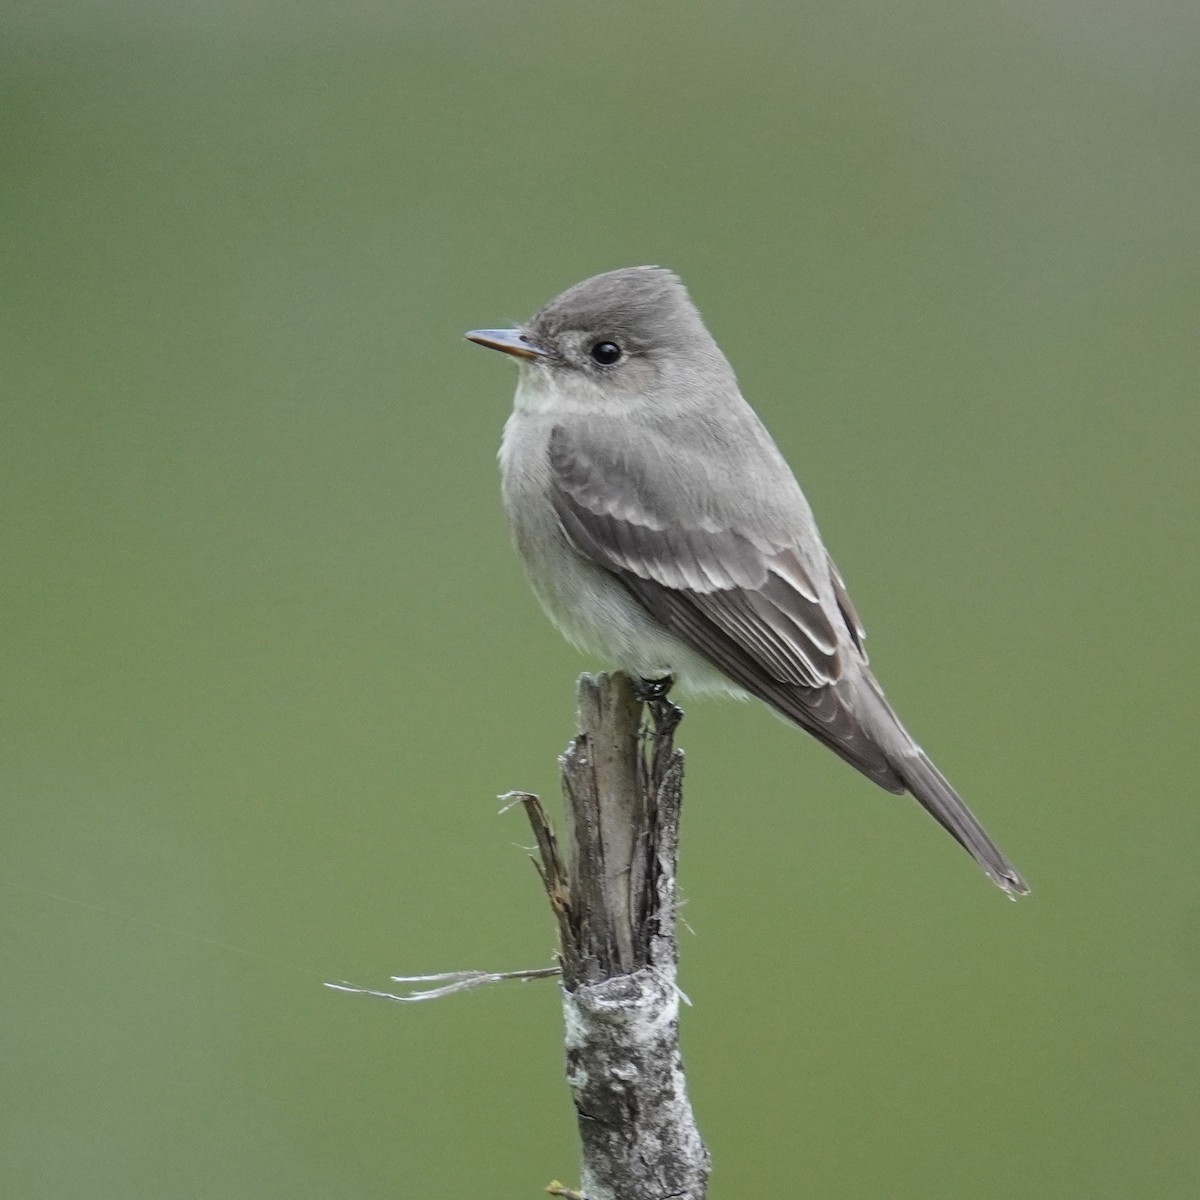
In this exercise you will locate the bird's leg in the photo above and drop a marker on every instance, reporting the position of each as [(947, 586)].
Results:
[(665, 715), (648, 690)]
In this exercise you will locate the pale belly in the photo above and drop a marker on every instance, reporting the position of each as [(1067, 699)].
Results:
[(594, 612), (589, 605)]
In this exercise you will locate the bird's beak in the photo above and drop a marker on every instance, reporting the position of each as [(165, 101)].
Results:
[(510, 341)]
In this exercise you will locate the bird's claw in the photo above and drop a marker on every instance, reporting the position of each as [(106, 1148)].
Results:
[(650, 691)]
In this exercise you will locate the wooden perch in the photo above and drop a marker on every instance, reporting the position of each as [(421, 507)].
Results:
[(614, 901)]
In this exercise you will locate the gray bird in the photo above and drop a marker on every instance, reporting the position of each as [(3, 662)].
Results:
[(662, 530)]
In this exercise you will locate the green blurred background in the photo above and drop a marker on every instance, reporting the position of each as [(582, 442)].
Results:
[(268, 658)]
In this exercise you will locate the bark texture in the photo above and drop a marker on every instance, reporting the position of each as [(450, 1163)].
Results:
[(615, 906)]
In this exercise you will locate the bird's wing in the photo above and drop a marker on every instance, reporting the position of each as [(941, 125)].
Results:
[(747, 600)]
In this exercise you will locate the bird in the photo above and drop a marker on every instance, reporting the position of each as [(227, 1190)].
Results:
[(662, 530)]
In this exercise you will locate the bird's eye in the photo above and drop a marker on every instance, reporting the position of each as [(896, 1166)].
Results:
[(606, 353)]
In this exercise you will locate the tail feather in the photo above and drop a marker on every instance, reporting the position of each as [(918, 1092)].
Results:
[(930, 789)]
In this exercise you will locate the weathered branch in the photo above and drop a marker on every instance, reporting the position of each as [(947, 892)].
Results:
[(615, 906)]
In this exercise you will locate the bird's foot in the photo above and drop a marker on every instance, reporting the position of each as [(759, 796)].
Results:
[(648, 691), (653, 694)]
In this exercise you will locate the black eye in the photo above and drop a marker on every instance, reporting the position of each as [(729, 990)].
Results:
[(606, 353)]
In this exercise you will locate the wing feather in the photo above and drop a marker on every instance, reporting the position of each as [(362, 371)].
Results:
[(748, 603)]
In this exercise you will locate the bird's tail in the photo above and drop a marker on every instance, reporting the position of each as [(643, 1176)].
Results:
[(930, 789)]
